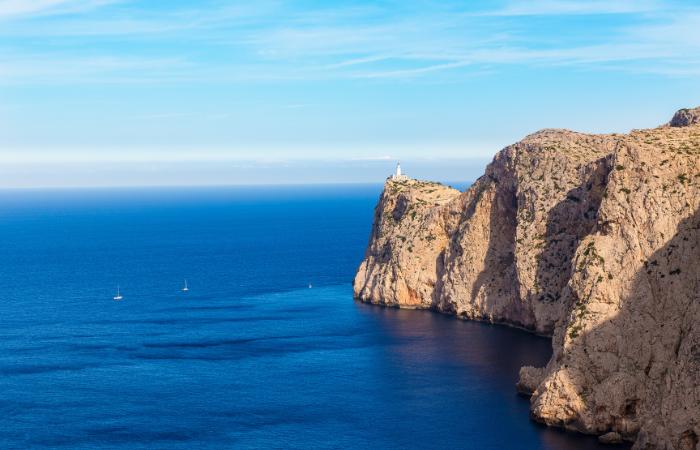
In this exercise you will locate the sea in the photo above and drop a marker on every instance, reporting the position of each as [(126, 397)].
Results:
[(267, 349)]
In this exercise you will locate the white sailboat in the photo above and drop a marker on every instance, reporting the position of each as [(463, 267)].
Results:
[(118, 296), (185, 289)]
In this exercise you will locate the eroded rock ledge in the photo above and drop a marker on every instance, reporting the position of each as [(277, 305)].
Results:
[(593, 239)]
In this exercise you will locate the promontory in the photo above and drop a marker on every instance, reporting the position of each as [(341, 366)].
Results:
[(591, 239)]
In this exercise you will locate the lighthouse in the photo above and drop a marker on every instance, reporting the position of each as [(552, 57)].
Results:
[(398, 176)]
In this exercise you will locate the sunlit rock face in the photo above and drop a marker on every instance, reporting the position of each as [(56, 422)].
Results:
[(590, 238)]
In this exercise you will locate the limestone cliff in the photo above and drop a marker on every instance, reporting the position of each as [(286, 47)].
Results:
[(590, 238)]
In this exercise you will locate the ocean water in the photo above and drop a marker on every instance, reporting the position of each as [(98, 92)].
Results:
[(250, 357)]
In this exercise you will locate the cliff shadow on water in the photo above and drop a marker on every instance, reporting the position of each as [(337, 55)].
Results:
[(467, 366)]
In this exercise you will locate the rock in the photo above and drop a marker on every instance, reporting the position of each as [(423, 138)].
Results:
[(610, 438), (591, 239), (409, 232), (686, 117), (499, 252), (530, 377)]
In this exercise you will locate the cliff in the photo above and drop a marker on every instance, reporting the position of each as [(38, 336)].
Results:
[(592, 239)]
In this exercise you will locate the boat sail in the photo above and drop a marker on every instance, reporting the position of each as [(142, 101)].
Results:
[(118, 296)]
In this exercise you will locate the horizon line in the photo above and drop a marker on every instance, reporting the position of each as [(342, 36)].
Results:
[(210, 186)]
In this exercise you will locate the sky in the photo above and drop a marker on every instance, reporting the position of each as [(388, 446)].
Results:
[(125, 92)]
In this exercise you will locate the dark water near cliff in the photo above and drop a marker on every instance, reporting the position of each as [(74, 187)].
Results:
[(250, 357)]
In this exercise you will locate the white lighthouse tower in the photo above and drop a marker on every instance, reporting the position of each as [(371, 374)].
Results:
[(398, 176)]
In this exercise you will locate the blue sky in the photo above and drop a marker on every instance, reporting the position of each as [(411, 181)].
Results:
[(111, 92)]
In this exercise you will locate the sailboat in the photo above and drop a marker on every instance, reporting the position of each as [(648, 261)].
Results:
[(118, 296), (185, 289)]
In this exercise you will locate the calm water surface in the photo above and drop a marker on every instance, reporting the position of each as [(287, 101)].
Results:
[(250, 357)]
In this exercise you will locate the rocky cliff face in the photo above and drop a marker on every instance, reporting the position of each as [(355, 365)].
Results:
[(593, 239)]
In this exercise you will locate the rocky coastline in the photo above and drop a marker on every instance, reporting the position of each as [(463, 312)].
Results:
[(591, 239)]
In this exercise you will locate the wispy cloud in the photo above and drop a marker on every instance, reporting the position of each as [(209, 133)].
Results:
[(24, 8), (43, 68), (572, 7), (402, 73), (374, 158), (273, 41)]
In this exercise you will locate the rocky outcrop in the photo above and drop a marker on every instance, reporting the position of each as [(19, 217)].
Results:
[(592, 239), (529, 379), (686, 117), (411, 226), (500, 251)]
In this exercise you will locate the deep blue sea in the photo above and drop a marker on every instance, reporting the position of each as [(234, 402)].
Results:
[(250, 357)]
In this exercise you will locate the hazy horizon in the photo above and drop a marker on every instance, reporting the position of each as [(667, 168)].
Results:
[(232, 173), (132, 93)]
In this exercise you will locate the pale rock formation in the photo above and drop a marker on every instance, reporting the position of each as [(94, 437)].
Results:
[(530, 377), (593, 239), (410, 227), (686, 117)]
